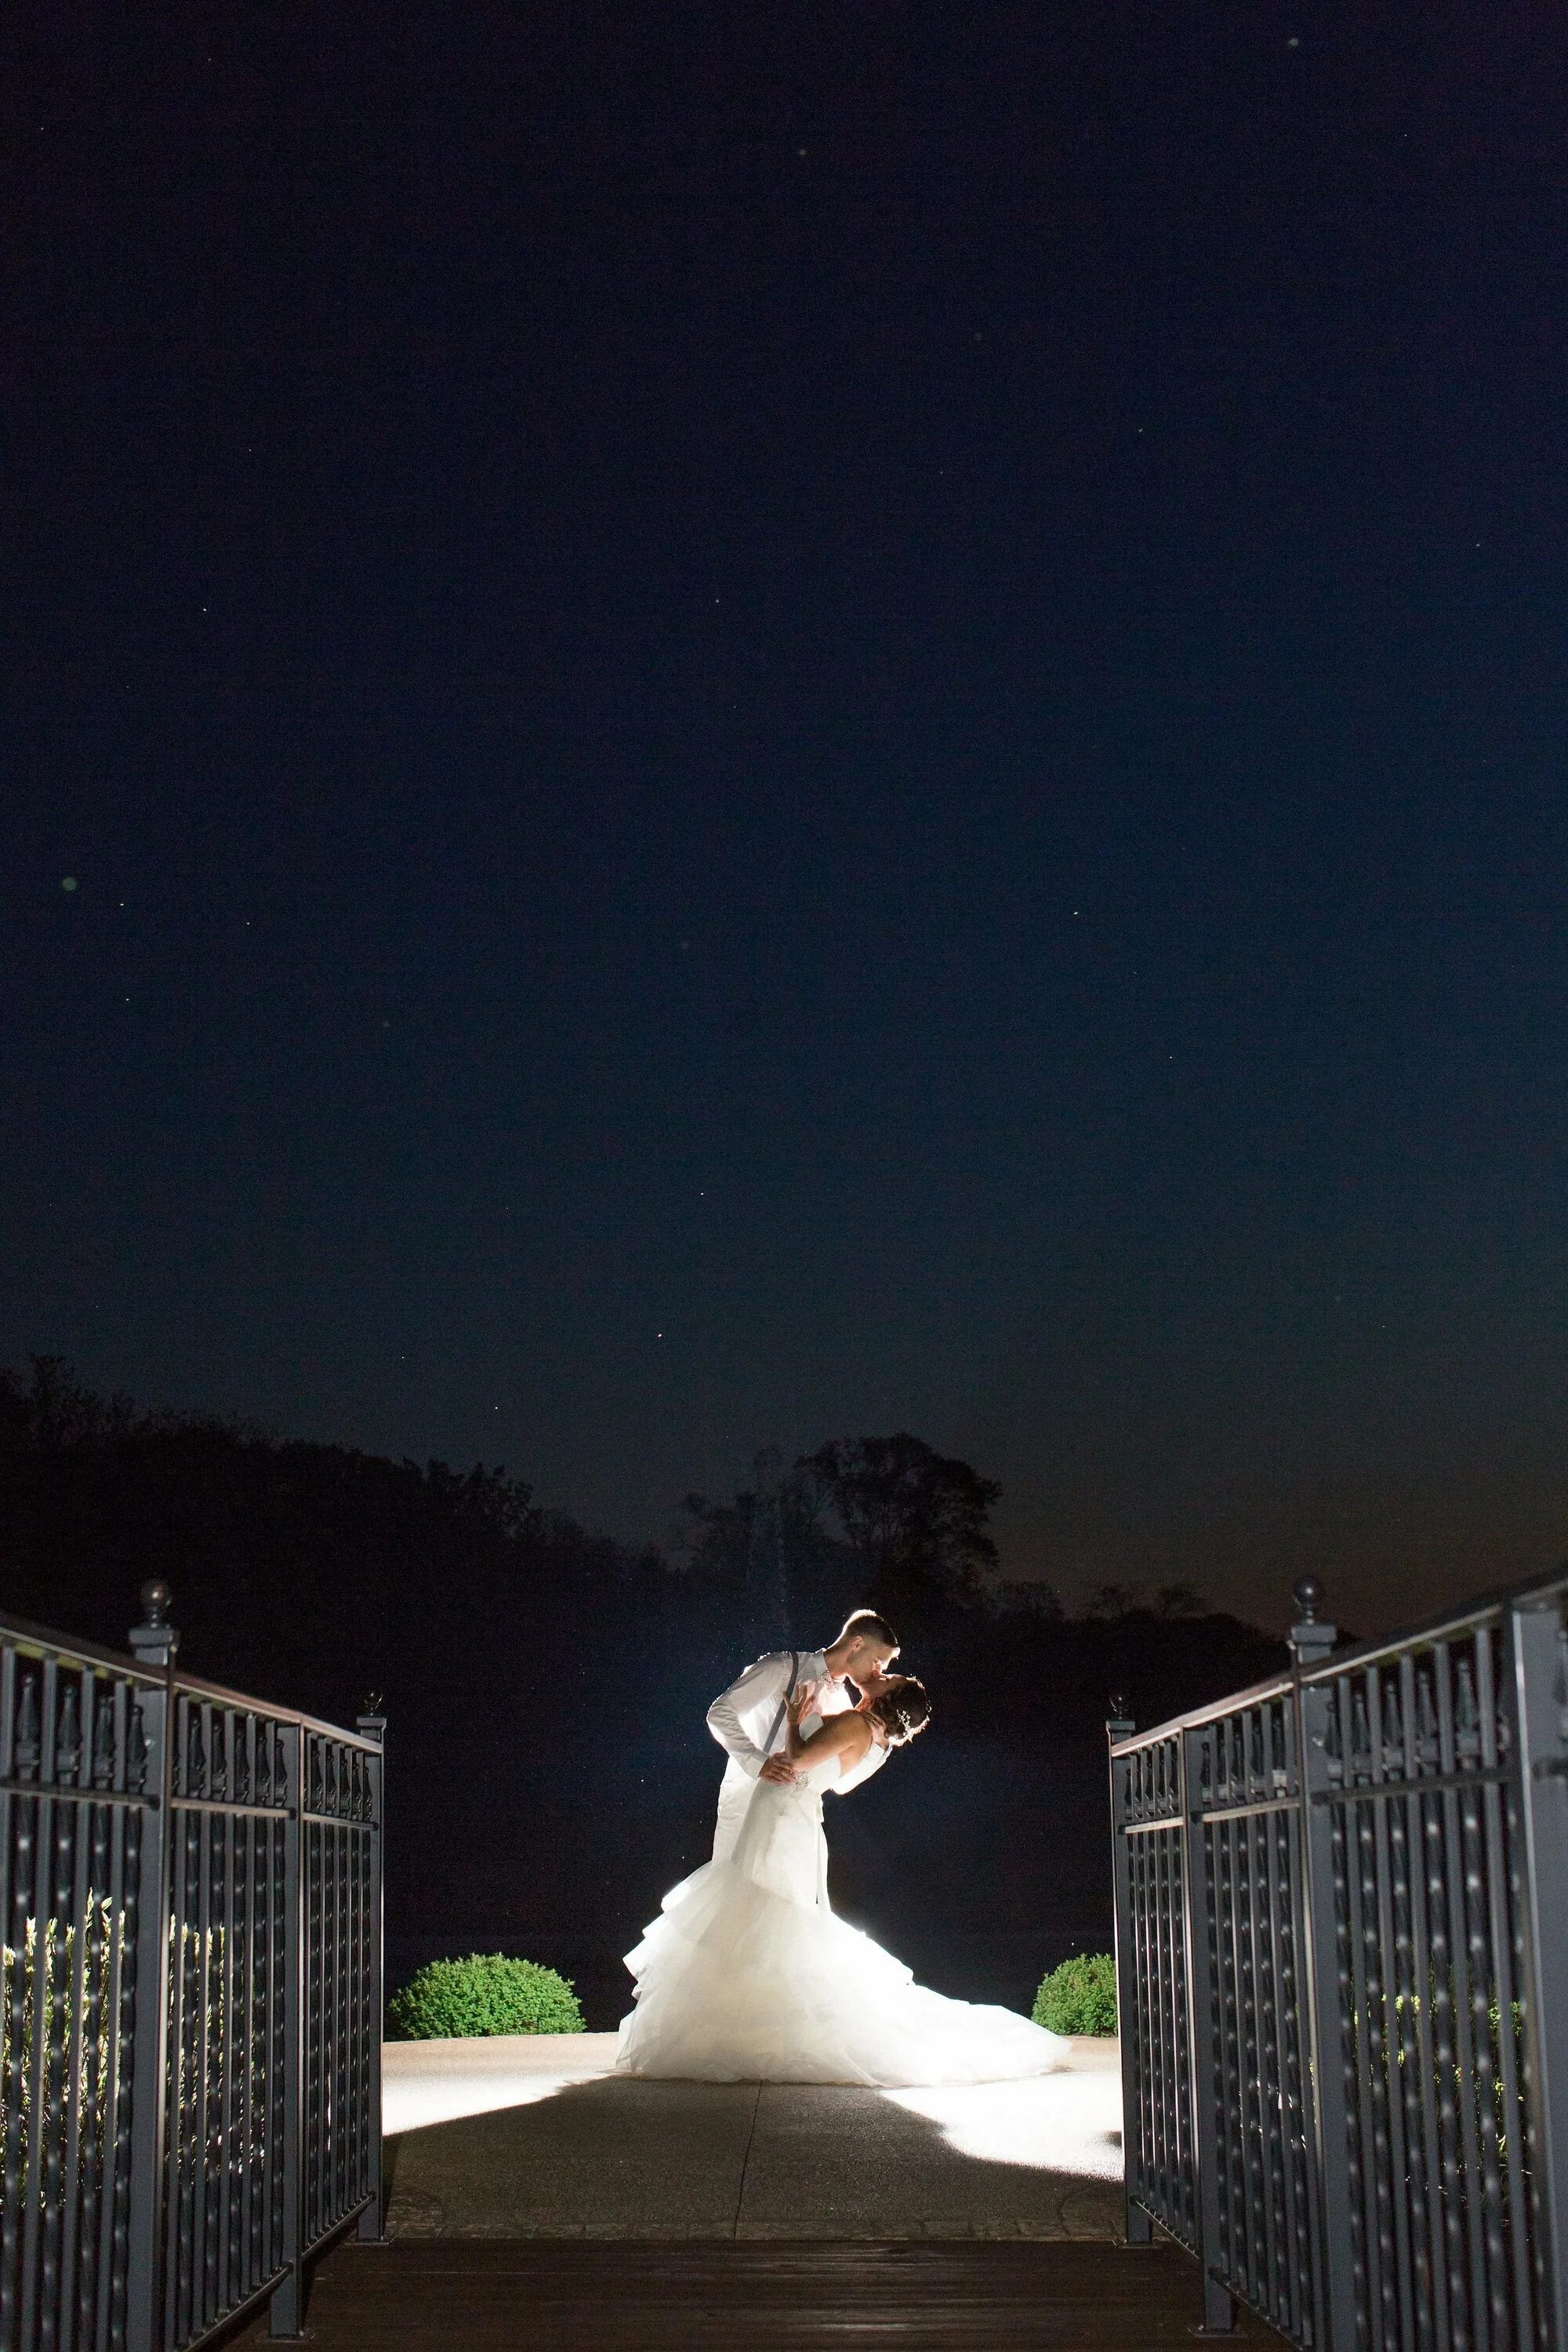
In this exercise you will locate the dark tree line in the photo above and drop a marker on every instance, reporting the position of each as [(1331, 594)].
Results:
[(545, 1686)]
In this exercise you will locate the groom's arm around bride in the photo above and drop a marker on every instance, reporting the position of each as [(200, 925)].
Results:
[(748, 1719)]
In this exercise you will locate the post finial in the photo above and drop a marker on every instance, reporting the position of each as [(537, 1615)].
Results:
[(1117, 1722), (1310, 1637), (156, 1640)]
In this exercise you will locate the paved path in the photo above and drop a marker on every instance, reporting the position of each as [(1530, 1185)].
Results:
[(533, 2136)]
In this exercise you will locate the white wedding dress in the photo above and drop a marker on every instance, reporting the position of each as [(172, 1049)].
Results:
[(747, 1976)]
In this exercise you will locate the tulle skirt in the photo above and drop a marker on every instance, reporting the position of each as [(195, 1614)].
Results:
[(740, 1982)]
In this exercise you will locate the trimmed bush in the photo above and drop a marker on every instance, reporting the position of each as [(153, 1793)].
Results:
[(1080, 1997), (486, 1993)]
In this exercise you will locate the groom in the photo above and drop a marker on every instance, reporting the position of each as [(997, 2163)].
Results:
[(748, 1719)]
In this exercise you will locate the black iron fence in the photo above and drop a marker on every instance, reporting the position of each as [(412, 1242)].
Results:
[(190, 1994), (1341, 1914)]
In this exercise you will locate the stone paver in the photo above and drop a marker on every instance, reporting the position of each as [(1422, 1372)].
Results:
[(561, 2147)]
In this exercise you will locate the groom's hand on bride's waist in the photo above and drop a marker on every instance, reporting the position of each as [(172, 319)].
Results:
[(777, 1767)]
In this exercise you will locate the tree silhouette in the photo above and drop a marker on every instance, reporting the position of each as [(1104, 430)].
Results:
[(913, 1520)]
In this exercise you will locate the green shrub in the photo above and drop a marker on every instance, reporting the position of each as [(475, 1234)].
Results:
[(486, 1993), (1080, 1997)]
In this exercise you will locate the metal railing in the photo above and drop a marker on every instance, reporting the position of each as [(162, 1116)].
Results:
[(190, 1994), (1343, 1998)]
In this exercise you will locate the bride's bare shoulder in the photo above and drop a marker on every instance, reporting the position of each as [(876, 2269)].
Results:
[(852, 1735)]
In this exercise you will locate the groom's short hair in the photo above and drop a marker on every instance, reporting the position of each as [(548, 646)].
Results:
[(870, 1627)]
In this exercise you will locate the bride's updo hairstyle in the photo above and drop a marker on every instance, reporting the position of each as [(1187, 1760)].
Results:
[(904, 1711)]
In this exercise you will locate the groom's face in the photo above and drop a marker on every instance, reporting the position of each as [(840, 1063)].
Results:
[(867, 1660)]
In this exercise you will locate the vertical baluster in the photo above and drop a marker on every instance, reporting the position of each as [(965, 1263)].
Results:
[(243, 2269), (1538, 1684), (184, 1868), (356, 1976), (268, 2058), (1300, 2309), (15, 1836), (327, 2080), (80, 2254), (230, 2277), (1321, 1705), (1512, 2296), (37, 2217), (22, 1694), (1155, 2186), (1177, 2073), (151, 1742), (184, 2028), (72, 1854), (1267, 1960), (1207, 2105), (1155, 1860), (1138, 2227), (1178, 2087), (285, 2306), (1287, 1875), (1157, 1881), (1243, 2216), (1456, 1736), (1446, 2055), (339, 1961), (1368, 2087), (1228, 2216), (129, 1826), (1486, 2184), (1152, 1874), (310, 2114), (1259, 2026), (1418, 2050), (332, 1841), (1384, 2049), (285, 1959), (1137, 2077), (210, 2051), (229, 2027), (97, 2016)]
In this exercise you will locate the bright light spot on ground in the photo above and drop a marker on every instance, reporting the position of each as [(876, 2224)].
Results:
[(1067, 2122), (436, 2081)]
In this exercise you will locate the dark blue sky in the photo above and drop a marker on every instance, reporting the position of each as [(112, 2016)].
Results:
[(782, 721)]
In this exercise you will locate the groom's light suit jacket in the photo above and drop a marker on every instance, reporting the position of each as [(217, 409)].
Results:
[(742, 1720)]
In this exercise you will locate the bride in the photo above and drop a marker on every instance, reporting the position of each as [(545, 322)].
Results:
[(747, 1974)]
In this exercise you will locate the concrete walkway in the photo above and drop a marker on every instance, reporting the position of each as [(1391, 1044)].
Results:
[(533, 2135)]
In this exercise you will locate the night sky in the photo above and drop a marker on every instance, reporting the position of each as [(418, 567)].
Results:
[(726, 725)]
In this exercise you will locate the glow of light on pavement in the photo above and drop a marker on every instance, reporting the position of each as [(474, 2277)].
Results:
[(437, 2082), (1068, 2122)]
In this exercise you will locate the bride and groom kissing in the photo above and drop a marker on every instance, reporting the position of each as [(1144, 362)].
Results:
[(748, 1974)]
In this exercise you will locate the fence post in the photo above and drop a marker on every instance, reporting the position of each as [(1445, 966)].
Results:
[(1197, 1898), (373, 1724), (286, 2306), (1538, 1639), (1139, 2223), (154, 1642), (1318, 1739)]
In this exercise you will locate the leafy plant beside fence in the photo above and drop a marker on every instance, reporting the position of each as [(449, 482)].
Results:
[(1078, 1997), (485, 1993), (47, 2010)]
